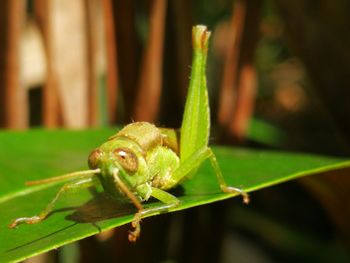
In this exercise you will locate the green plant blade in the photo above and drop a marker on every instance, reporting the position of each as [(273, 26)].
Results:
[(39, 154), (262, 132)]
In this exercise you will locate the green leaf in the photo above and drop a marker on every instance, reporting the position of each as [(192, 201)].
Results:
[(262, 132), (39, 154)]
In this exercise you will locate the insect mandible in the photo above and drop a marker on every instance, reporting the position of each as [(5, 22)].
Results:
[(143, 161)]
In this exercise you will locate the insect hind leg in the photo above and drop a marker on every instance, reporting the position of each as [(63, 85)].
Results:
[(223, 185), (196, 159)]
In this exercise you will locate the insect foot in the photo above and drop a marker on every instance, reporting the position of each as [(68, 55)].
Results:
[(234, 190), (26, 220), (133, 235)]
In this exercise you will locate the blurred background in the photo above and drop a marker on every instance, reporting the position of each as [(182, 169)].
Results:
[(278, 78)]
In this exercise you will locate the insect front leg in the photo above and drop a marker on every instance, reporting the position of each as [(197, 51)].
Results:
[(193, 161), (72, 186), (169, 201)]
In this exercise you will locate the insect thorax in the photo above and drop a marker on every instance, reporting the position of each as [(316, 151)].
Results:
[(145, 134)]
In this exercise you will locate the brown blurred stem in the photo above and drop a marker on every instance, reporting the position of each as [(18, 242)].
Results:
[(112, 67), (229, 78), (182, 23), (91, 32), (247, 83), (239, 77), (51, 109), (128, 53), (13, 98), (149, 87)]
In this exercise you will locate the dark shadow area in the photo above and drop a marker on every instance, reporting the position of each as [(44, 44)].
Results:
[(101, 207)]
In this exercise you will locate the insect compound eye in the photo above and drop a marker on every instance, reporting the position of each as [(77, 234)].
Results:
[(127, 159), (94, 158)]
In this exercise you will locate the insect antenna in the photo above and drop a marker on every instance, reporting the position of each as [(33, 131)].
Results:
[(64, 177)]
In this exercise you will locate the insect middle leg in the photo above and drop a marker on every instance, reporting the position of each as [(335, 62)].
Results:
[(195, 160), (72, 186)]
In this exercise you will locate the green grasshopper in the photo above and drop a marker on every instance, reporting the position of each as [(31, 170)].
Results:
[(143, 161)]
